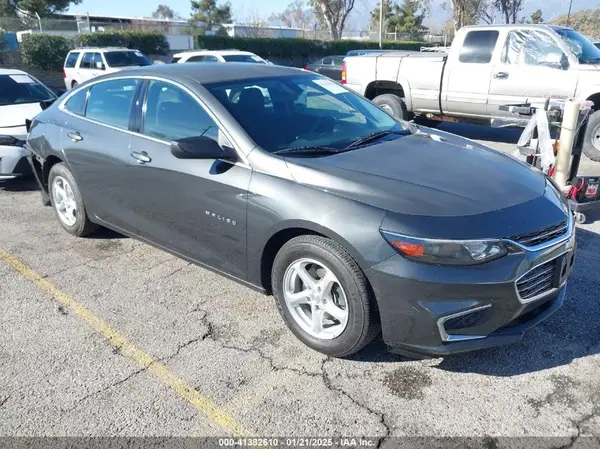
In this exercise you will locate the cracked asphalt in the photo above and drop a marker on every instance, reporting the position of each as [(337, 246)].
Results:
[(59, 376)]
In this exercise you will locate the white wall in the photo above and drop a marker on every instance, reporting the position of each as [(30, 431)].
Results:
[(178, 42)]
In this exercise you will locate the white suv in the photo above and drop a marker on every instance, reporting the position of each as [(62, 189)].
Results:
[(217, 56), (83, 64)]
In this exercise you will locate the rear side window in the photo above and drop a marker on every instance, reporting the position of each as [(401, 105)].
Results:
[(327, 61), (71, 60), (338, 61), (195, 59), (86, 61), (76, 104), (110, 102), (478, 47), (172, 114)]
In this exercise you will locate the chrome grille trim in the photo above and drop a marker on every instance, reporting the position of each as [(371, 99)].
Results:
[(449, 338), (543, 235), (564, 236)]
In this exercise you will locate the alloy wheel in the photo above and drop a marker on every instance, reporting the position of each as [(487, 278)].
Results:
[(64, 201)]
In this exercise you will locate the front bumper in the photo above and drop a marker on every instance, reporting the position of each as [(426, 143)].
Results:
[(439, 310), (13, 162)]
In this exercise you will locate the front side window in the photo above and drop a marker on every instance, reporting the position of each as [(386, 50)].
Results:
[(195, 59), (21, 89), (301, 111), (478, 47), (71, 60), (110, 102), (76, 104), (327, 61), (86, 61), (531, 47), (210, 58), (126, 59), (173, 114)]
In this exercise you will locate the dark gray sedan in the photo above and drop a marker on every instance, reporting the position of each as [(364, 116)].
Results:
[(330, 66), (289, 183)]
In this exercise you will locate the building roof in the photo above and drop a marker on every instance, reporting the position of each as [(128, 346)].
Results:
[(212, 73), (113, 17)]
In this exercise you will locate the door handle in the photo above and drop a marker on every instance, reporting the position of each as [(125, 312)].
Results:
[(500, 75), (75, 137), (142, 157)]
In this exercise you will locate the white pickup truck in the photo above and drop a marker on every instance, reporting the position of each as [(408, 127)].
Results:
[(486, 67)]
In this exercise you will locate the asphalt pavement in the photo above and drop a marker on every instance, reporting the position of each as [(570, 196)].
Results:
[(107, 336)]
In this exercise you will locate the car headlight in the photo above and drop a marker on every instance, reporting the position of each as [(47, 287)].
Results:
[(447, 252)]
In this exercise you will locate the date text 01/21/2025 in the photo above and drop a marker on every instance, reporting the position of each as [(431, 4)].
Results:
[(298, 442)]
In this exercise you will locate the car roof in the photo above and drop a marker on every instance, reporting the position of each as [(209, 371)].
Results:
[(80, 49), (12, 72), (213, 52), (212, 72)]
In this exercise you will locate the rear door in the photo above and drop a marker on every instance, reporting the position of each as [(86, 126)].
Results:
[(531, 68), (195, 207), (96, 142), (468, 73)]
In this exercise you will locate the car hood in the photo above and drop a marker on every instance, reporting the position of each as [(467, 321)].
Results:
[(429, 173), (15, 115)]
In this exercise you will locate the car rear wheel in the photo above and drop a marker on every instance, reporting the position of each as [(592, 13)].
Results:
[(393, 104), (323, 296), (591, 141), (67, 202)]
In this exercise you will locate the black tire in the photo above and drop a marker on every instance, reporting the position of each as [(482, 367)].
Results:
[(394, 105), (74, 84), (592, 134), (82, 226), (363, 317)]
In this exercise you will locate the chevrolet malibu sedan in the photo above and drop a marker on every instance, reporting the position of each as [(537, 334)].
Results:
[(289, 183)]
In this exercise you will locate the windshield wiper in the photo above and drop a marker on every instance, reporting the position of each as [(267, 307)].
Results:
[(377, 135), (307, 150)]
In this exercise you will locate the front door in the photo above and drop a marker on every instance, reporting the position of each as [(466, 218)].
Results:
[(192, 206), (532, 68)]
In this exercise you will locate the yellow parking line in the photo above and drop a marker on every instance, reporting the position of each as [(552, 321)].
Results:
[(219, 416)]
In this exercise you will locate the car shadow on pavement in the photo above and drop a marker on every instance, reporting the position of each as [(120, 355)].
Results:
[(570, 333), (27, 184)]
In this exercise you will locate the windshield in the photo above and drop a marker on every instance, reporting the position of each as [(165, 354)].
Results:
[(580, 45), (295, 112), (243, 58), (126, 59), (21, 89)]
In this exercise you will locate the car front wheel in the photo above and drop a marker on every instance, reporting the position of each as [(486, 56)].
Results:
[(67, 202), (323, 296)]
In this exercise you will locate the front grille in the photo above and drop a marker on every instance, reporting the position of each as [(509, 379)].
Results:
[(541, 235), (466, 321), (538, 281)]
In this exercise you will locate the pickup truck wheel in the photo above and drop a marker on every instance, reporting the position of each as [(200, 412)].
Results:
[(591, 141), (392, 104), (323, 296)]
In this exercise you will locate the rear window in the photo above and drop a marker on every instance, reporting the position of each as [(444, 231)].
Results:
[(243, 58), (76, 104), (71, 60), (126, 59), (478, 46)]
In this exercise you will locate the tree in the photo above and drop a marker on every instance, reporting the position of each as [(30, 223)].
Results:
[(536, 17), (209, 13), (164, 12), (586, 21), (467, 12), (41, 7), (510, 9), (409, 17), (334, 14), (296, 15)]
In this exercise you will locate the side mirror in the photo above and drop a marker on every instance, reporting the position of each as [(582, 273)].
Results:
[(201, 147), (99, 65)]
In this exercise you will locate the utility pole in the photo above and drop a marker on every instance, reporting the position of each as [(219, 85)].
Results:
[(381, 24), (569, 14)]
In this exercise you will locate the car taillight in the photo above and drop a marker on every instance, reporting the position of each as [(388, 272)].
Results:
[(306, 67), (344, 80), (64, 73)]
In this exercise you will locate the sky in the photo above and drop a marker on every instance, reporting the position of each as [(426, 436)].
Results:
[(263, 8)]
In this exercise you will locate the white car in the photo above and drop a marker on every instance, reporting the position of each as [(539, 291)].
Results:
[(21, 98), (217, 56), (83, 64)]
